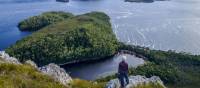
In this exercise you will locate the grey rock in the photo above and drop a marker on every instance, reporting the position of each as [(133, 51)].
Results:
[(31, 63), (52, 70), (7, 59), (57, 73), (135, 81)]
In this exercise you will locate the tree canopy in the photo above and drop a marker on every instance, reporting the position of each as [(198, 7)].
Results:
[(37, 22), (83, 37)]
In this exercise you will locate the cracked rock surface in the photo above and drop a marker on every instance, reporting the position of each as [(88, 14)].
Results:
[(135, 81)]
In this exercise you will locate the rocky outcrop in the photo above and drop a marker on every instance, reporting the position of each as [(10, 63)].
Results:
[(5, 58), (57, 73), (52, 70), (135, 81), (31, 63)]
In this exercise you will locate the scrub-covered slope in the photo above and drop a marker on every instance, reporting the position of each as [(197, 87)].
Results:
[(84, 37), (24, 76), (14, 74)]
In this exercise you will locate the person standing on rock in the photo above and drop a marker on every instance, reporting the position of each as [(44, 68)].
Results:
[(123, 72)]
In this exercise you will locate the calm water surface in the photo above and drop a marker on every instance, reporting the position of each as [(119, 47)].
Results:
[(162, 25), (93, 70)]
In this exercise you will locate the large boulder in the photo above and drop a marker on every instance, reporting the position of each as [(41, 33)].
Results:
[(53, 70), (135, 81), (57, 73), (5, 58), (31, 63)]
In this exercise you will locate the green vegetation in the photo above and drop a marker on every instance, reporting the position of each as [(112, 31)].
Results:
[(177, 70), (90, 37), (83, 37), (168, 74), (24, 76), (77, 83), (149, 85), (37, 22)]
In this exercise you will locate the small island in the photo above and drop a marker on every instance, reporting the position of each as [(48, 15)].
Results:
[(37, 22)]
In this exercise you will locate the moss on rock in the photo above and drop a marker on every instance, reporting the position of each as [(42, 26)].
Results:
[(24, 76)]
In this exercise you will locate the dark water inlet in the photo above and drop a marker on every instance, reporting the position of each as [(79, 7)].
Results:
[(93, 70)]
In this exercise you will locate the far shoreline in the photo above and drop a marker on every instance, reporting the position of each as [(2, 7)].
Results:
[(94, 60)]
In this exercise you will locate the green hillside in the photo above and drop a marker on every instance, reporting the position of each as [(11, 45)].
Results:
[(24, 76), (83, 37)]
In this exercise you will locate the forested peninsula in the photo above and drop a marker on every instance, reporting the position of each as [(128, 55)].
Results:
[(78, 38)]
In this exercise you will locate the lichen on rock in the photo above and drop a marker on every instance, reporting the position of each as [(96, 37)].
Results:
[(57, 73), (31, 63), (135, 81), (5, 58), (52, 70)]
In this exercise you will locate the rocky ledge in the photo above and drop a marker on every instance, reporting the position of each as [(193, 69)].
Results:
[(136, 81), (57, 73), (61, 76), (5, 58), (52, 70)]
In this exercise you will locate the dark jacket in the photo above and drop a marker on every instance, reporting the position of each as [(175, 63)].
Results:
[(123, 67)]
